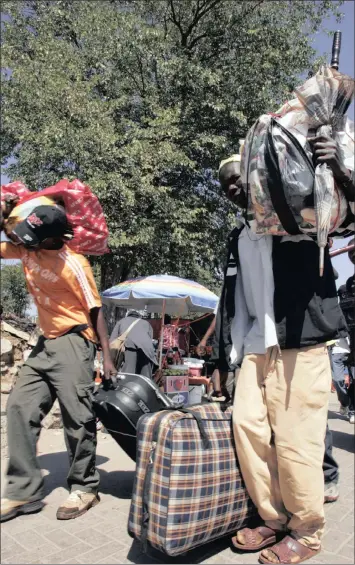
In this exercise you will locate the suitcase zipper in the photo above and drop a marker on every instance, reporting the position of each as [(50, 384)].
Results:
[(147, 485), (152, 450)]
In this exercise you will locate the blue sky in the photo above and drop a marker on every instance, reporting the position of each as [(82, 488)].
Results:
[(323, 44)]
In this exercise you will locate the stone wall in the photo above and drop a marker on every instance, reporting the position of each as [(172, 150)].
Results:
[(13, 348), (16, 345)]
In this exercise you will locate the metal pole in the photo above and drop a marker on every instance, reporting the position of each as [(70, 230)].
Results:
[(336, 50), (342, 250), (161, 334)]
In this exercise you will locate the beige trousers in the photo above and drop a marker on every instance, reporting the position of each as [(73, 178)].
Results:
[(279, 420)]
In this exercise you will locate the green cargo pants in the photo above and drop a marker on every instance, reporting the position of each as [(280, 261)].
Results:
[(60, 368)]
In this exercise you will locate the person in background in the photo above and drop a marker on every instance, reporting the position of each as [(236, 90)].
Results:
[(201, 348), (347, 302), (222, 379), (330, 470), (280, 314), (339, 355), (331, 343), (330, 466), (139, 355), (61, 365)]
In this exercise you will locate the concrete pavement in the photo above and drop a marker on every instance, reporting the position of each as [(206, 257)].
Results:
[(101, 535)]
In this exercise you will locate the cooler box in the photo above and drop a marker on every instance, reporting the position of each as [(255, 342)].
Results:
[(198, 386), (195, 394), (195, 366)]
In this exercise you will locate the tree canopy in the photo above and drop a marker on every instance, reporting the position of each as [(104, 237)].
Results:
[(14, 294), (141, 100)]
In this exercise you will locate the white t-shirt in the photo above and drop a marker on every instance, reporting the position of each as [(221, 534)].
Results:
[(253, 327)]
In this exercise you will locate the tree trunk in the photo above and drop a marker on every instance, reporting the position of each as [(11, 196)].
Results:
[(113, 273)]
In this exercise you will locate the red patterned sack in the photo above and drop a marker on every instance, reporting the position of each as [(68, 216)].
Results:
[(13, 189)]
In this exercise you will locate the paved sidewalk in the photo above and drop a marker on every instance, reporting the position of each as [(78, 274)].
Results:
[(101, 535)]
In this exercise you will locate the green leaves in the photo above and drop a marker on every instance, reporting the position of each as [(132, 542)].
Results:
[(14, 293), (141, 100)]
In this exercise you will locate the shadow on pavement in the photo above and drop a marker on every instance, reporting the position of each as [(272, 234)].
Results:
[(116, 483), (197, 555), (336, 416), (344, 441)]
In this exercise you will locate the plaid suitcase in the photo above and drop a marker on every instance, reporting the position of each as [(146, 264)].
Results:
[(188, 488)]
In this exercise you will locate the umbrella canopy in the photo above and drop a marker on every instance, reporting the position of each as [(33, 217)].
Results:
[(162, 293)]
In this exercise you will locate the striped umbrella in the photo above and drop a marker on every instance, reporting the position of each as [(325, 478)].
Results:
[(161, 294)]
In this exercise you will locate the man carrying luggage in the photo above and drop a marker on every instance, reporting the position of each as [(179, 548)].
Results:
[(60, 366), (280, 314), (221, 356)]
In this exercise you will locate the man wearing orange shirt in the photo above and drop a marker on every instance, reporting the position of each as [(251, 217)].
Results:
[(60, 366)]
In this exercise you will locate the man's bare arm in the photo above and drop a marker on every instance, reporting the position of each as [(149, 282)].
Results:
[(205, 338), (99, 325)]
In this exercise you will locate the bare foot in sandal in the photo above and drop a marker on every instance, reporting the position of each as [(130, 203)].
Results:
[(254, 539), (288, 550)]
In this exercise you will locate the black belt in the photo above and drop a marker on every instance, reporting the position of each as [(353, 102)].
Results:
[(77, 329)]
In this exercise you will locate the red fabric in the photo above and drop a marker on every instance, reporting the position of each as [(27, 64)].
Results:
[(170, 336), (14, 189), (83, 211)]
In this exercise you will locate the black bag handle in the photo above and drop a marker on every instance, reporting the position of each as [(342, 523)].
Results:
[(205, 441)]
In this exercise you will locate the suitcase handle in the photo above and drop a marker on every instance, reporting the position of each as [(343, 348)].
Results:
[(198, 419)]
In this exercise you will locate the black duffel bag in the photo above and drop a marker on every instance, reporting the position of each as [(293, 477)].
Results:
[(120, 406)]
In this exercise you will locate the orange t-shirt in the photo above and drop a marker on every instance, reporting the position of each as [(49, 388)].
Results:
[(62, 285)]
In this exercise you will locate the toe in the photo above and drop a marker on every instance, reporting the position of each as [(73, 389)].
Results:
[(269, 555)]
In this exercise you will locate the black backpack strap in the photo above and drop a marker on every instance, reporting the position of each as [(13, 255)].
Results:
[(222, 342), (274, 182)]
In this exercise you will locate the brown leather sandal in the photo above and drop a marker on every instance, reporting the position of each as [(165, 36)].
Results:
[(251, 544), (288, 548)]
